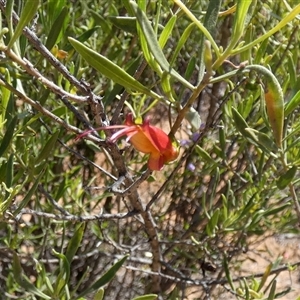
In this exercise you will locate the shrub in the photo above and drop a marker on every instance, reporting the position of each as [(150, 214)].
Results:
[(85, 215)]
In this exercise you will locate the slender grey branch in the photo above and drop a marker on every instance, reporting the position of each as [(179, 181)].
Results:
[(76, 153), (30, 69), (213, 282), (138, 206), (35, 41), (43, 110), (53, 202), (93, 100), (116, 186), (74, 218)]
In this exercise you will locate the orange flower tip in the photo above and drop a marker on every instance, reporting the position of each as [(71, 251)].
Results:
[(155, 162)]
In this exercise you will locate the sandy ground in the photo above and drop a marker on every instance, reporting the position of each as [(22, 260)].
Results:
[(283, 248)]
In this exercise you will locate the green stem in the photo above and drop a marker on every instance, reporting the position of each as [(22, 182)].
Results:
[(188, 105)]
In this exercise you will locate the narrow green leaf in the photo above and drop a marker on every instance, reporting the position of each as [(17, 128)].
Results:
[(222, 139), (247, 106), (256, 137), (5, 97), (249, 205), (211, 225), (248, 37), (54, 7), (47, 150), (288, 18), (215, 181), (265, 277), (215, 218), (100, 20), (210, 23), (57, 28), (74, 243), (109, 69), (124, 23), (64, 273), (183, 38), (275, 211), (293, 133), (225, 209), (117, 89), (240, 20), (190, 69), (292, 104), (167, 31), (285, 179), (144, 45), (9, 173), (207, 57), (146, 297), (142, 5), (239, 121), (23, 281), (272, 291), (128, 7), (27, 15), (28, 196), (261, 51), (61, 189), (99, 295), (205, 156), (48, 283), (8, 135), (83, 37), (261, 139), (166, 86), (154, 46), (193, 118), (227, 273), (9, 7), (107, 277), (17, 268), (202, 28)]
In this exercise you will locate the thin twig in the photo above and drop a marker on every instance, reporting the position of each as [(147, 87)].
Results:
[(125, 94), (115, 188), (37, 44), (30, 69), (212, 282), (76, 153), (52, 201), (44, 111), (74, 218)]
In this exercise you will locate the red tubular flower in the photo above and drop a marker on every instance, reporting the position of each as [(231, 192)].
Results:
[(147, 139)]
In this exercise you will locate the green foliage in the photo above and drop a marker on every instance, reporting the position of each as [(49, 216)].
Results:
[(28, 12), (85, 218)]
